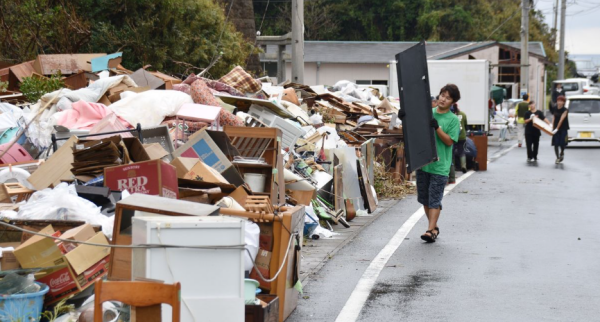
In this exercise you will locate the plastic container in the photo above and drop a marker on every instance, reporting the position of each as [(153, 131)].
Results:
[(23, 307), (250, 287), (256, 181)]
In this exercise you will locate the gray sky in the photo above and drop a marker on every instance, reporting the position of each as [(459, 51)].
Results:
[(583, 24)]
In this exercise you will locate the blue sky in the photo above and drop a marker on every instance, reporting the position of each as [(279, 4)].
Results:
[(582, 24)]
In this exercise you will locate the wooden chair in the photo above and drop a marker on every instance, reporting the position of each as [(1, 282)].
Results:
[(139, 294)]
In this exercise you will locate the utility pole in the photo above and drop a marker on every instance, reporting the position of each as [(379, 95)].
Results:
[(298, 41), (555, 25), (524, 47), (561, 53)]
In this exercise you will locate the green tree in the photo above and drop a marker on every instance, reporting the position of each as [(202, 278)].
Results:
[(32, 27), (149, 32)]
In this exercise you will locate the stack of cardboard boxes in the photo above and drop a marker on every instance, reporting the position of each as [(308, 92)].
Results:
[(69, 267)]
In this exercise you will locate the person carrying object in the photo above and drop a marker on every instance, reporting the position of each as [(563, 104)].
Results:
[(560, 129), (532, 133), (432, 178), (520, 110)]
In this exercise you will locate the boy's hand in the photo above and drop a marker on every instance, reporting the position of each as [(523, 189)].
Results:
[(434, 124), (401, 113)]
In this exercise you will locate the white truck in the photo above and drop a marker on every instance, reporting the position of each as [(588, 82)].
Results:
[(472, 78)]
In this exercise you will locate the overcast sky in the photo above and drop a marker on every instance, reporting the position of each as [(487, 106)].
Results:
[(583, 24)]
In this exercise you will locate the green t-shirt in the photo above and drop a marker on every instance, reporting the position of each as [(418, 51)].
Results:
[(449, 123), (462, 118)]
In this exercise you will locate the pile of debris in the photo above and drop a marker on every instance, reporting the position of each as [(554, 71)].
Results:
[(244, 145)]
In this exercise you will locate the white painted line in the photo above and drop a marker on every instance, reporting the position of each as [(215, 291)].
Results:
[(358, 298)]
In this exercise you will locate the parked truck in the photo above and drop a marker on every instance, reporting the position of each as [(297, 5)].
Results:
[(472, 78)]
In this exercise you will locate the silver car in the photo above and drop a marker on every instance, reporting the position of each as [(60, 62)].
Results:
[(584, 118)]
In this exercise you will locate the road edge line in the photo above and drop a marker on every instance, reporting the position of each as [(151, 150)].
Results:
[(358, 297)]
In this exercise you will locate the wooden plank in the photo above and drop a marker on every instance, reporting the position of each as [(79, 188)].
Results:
[(56, 168)]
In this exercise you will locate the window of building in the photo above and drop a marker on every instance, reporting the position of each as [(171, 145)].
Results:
[(509, 74), (371, 82)]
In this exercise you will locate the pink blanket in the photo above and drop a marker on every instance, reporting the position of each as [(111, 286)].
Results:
[(84, 115)]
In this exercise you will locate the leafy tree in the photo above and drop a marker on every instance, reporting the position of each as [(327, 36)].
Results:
[(155, 32), (163, 32), (32, 27)]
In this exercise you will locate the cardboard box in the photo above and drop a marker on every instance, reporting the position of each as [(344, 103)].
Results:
[(8, 261), (56, 168), (76, 270), (263, 262), (154, 177), (85, 256), (183, 165), (265, 239), (39, 251), (62, 283), (202, 172), (155, 151), (81, 233)]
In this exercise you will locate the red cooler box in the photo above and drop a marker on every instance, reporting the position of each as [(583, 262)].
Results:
[(149, 177)]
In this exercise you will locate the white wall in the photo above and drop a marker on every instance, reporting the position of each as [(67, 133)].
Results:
[(329, 73)]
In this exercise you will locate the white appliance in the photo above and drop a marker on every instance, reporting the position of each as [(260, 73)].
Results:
[(290, 133), (212, 280), (472, 77)]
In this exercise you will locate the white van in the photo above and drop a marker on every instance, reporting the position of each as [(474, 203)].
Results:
[(584, 118), (574, 86)]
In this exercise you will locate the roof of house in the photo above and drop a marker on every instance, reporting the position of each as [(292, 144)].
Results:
[(383, 52)]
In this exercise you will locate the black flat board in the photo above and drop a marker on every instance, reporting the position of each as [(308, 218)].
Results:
[(415, 100)]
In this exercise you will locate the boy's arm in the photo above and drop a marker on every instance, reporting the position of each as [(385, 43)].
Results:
[(444, 137)]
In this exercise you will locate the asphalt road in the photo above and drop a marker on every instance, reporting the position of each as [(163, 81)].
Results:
[(519, 242)]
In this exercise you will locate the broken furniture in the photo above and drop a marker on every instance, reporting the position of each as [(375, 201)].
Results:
[(196, 113), (286, 226), (138, 294), (259, 143), (137, 129), (144, 205)]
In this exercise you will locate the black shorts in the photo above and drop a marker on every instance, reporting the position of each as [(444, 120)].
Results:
[(430, 189)]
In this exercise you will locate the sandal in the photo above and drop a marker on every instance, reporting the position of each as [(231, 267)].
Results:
[(437, 229), (429, 236)]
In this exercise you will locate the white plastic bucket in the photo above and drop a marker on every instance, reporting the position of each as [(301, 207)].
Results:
[(256, 181), (250, 287)]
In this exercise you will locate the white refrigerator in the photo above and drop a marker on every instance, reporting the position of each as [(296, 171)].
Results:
[(212, 280)]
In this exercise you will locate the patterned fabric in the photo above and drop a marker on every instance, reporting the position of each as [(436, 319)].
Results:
[(227, 118), (201, 94), (182, 88), (191, 79), (430, 189), (222, 87), (239, 79)]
